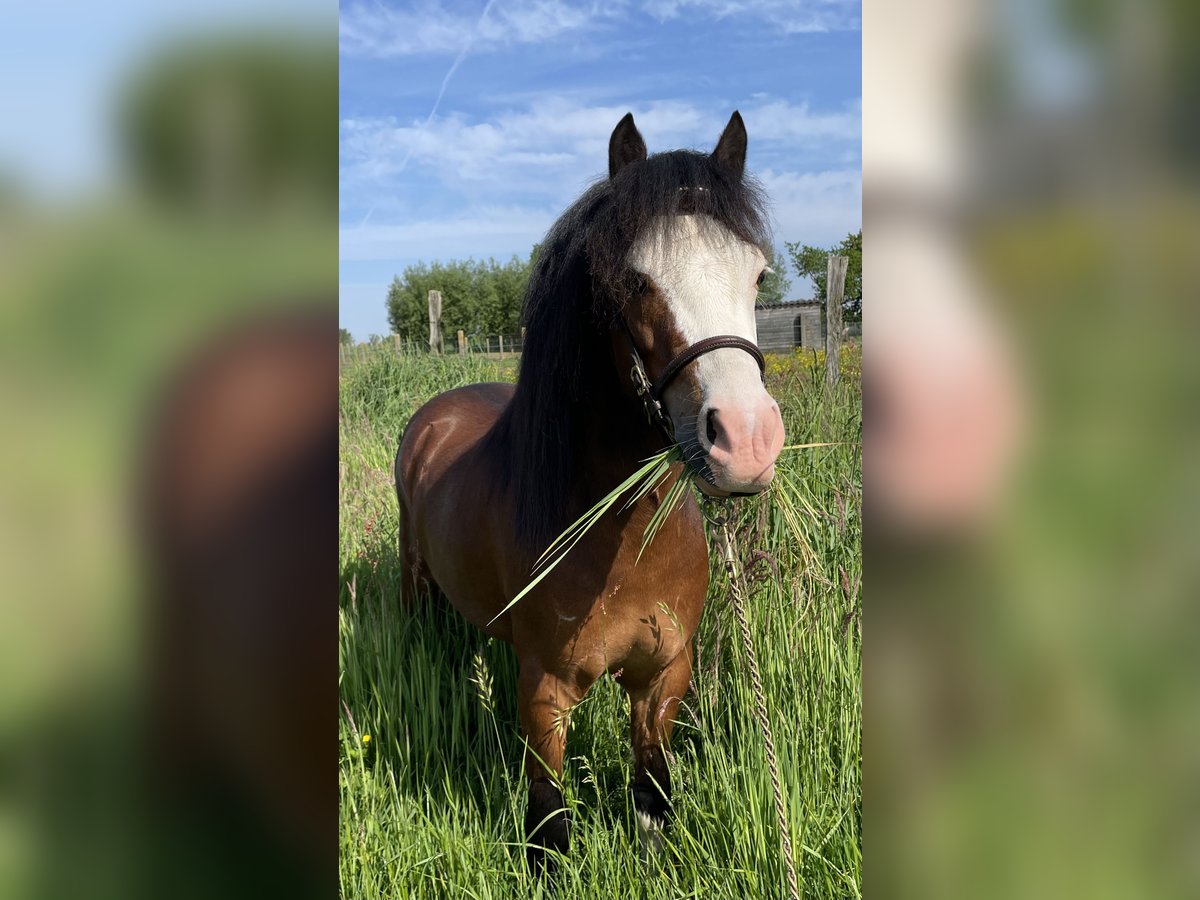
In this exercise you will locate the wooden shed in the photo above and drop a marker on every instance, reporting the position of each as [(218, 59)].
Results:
[(787, 324)]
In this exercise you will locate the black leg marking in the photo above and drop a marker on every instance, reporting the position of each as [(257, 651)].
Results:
[(652, 798), (545, 825)]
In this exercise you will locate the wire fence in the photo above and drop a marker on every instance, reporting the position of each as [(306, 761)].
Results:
[(499, 346), (774, 336)]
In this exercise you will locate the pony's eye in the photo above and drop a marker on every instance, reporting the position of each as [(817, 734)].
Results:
[(762, 276)]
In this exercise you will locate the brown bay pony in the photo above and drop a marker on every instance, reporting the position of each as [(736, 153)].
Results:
[(655, 269)]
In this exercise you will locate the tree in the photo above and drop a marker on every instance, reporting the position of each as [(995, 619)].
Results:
[(344, 336), (480, 298), (810, 262), (776, 285)]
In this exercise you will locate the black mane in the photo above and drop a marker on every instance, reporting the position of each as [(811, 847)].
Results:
[(576, 289)]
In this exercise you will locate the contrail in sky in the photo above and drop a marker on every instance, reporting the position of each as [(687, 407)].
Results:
[(462, 54)]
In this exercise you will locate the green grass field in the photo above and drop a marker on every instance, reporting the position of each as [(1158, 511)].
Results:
[(432, 795)]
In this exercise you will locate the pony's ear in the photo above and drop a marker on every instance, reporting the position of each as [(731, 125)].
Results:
[(731, 148), (625, 146)]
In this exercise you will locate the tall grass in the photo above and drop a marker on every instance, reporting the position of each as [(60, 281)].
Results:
[(433, 804)]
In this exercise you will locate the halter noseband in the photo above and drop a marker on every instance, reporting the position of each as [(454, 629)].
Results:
[(651, 392)]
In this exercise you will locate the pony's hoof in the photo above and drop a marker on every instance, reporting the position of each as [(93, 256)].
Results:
[(545, 827), (542, 865)]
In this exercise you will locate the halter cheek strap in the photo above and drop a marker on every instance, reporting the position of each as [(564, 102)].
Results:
[(651, 392)]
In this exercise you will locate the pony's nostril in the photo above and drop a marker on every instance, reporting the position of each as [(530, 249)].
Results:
[(711, 426)]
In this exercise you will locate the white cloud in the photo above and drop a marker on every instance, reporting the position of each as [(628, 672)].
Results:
[(778, 120), (788, 16), (549, 151), (552, 149), (811, 207), (817, 208), (493, 187), (478, 232), (373, 29)]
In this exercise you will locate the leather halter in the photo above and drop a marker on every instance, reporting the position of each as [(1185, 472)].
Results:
[(651, 392)]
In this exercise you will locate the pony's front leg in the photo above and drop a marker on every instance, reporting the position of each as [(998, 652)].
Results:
[(545, 703), (652, 719)]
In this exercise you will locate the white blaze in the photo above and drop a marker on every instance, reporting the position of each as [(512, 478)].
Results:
[(708, 278)]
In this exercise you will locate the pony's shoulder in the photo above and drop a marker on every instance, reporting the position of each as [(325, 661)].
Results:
[(485, 400)]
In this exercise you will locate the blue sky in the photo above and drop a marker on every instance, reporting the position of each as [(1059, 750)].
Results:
[(467, 127)]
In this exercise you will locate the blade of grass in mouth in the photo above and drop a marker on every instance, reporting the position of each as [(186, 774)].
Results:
[(644, 480)]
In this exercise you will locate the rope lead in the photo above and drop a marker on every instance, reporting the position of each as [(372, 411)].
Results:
[(722, 519)]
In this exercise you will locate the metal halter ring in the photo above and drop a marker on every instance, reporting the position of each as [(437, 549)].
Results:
[(655, 414), (641, 384), (717, 510)]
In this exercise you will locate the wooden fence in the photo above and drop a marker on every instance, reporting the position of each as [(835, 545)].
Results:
[(495, 346)]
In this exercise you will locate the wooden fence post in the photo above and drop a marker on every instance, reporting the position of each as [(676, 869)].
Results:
[(835, 286), (502, 346), (462, 341), (435, 322)]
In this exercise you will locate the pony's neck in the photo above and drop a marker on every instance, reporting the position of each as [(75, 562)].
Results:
[(614, 432), (570, 434)]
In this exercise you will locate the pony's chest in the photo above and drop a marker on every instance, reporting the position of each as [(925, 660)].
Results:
[(648, 618)]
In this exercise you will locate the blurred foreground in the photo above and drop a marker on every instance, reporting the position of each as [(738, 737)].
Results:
[(169, 393), (1032, 207)]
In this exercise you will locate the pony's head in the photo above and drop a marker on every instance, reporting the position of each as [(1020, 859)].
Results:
[(664, 252), (691, 272)]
